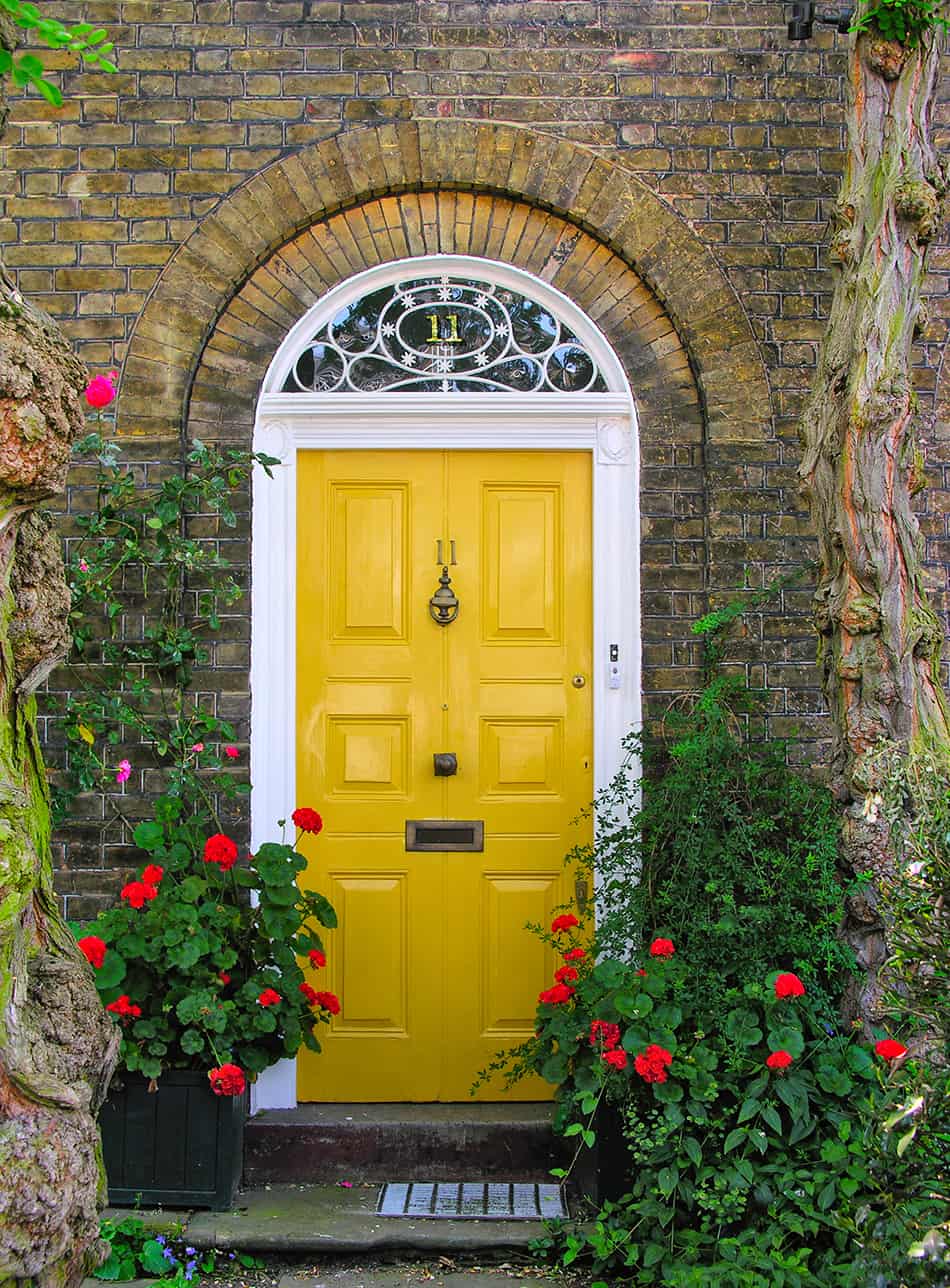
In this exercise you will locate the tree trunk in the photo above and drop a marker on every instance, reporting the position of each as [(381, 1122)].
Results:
[(880, 641), (57, 1045)]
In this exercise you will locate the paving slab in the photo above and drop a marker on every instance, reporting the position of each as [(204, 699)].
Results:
[(340, 1221), (418, 1277)]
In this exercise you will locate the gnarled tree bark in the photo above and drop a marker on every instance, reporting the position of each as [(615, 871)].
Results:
[(880, 641), (57, 1046)]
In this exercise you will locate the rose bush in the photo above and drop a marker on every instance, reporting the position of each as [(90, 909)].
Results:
[(762, 1147), (199, 976)]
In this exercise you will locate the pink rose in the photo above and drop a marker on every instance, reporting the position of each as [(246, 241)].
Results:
[(100, 391)]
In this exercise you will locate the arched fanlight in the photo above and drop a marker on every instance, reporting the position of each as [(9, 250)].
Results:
[(444, 334)]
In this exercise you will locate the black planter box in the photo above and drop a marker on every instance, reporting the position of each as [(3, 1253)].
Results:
[(179, 1146)]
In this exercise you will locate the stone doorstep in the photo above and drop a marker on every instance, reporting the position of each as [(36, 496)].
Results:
[(402, 1142), (338, 1222), (412, 1276)]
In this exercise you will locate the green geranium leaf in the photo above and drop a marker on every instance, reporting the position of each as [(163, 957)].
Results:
[(742, 1027), (191, 1041), (112, 970), (787, 1037), (148, 835), (192, 889)]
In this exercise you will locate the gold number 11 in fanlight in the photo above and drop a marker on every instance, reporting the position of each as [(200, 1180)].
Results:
[(453, 336)]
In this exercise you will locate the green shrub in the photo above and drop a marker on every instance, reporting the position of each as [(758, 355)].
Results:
[(763, 1148), (720, 845)]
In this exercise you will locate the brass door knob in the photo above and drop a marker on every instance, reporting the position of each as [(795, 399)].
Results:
[(578, 681)]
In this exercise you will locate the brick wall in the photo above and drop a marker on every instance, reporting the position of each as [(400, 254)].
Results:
[(707, 104)]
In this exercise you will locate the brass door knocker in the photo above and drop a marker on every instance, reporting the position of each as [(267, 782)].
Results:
[(444, 604)]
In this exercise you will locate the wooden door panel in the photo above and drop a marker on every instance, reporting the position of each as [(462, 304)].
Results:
[(432, 962), (521, 581), (369, 552), (367, 662), (523, 733)]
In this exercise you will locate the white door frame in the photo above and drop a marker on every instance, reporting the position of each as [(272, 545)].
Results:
[(602, 424)]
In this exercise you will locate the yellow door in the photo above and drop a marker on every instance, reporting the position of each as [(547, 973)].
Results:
[(432, 962)]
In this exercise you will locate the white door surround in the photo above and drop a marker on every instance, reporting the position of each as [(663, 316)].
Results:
[(603, 424)]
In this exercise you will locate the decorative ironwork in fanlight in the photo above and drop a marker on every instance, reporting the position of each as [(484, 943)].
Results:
[(445, 335)]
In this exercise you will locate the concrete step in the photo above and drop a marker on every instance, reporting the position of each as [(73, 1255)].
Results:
[(364, 1143), (332, 1221)]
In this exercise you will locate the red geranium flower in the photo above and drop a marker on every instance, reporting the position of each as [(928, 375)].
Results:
[(221, 849), (227, 1080), (566, 921), (330, 1002), (574, 955), (778, 1060), (93, 949), (566, 974), (153, 874), (232, 753), (789, 985), (317, 959), (662, 948), (616, 1059), (604, 1034), (653, 1063), (308, 820), (138, 893), (224, 977), (889, 1049), (310, 994), (269, 997), (123, 1007), (553, 996)]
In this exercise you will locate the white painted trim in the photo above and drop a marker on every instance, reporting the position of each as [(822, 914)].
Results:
[(603, 424)]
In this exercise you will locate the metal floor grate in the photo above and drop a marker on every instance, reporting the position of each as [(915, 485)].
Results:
[(472, 1201)]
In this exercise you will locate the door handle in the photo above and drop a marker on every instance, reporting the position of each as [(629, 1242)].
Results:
[(445, 764)]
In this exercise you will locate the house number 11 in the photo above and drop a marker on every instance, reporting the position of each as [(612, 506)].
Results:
[(453, 336)]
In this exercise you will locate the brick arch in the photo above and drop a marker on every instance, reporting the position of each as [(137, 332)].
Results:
[(256, 320), (674, 548), (238, 242)]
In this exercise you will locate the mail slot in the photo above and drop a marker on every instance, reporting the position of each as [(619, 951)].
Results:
[(445, 834)]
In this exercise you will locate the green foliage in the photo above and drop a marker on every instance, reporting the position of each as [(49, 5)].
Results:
[(89, 42), (167, 957), (906, 21), (146, 596), (134, 1251), (195, 957), (718, 844), (915, 800), (734, 1173)]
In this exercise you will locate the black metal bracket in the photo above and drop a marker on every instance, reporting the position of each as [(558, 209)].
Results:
[(804, 17)]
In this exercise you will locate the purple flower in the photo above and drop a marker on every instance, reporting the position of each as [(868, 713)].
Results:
[(124, 772)]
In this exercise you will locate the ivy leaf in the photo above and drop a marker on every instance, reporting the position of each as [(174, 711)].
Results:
[(771, 1116), (734, 1140), (667, 1179)]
